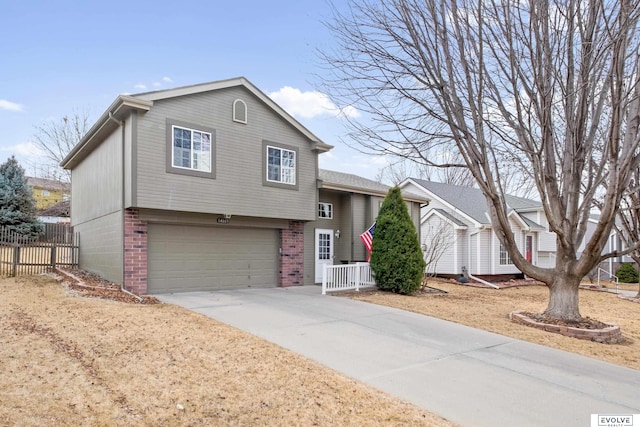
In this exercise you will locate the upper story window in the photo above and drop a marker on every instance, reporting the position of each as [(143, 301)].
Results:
[(46, 193), (281, 165), (239, 111), (190, 149), (325, 210)]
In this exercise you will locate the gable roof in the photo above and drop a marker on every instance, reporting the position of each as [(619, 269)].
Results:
[(340, 181), (447, 216), (472, 202), (143, 102)]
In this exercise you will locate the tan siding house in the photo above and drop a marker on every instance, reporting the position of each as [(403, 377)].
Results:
[(212, 186)]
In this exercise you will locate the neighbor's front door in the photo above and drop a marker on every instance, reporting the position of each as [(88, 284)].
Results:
[(528, 248), (324, 251)]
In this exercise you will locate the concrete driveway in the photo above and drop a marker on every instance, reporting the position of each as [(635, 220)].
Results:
[(469, 376)]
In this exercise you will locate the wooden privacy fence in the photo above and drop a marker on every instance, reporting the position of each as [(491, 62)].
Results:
[(23, 255)]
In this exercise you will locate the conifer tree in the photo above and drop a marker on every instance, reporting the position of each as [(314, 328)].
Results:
[(396, 258), (17, 205)]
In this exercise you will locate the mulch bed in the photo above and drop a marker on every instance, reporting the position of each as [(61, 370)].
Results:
[(87, 284), (584, 323)]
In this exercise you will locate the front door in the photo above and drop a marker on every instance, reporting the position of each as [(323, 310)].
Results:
[(324, 251), (528, 248)]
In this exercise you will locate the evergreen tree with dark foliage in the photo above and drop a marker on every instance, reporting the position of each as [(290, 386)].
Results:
[(396, 258), (17, 205), (627, 274)]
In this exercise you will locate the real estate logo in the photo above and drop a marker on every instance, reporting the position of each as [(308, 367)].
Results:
[(615, 420)]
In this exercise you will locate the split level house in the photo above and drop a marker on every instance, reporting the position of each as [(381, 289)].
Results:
[(213, 186), (457, 225)]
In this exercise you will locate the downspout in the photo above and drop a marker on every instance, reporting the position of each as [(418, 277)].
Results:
[(122, 201), (481, 228)]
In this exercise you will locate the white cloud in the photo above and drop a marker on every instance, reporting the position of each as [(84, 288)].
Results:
[(10, 106), (24, 149), (308, 105), (157, 84)]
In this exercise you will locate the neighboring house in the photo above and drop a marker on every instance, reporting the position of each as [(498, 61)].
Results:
[(56, 214), (610, 266), (48, 192), (210, 186), (457, 221)]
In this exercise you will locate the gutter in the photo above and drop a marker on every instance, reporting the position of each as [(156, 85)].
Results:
[(481, 228), (121, 125)]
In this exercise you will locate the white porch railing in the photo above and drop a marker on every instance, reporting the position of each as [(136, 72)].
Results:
[(611, 276), (346, 277)]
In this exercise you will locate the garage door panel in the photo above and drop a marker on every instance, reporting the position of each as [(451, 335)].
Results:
[(186, 258)]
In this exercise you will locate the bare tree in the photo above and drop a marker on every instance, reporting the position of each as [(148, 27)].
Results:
[(57, 138), (549, 88), (629, 220), (438, 239)]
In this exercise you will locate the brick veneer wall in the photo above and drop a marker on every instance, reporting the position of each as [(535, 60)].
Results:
[(292, 256), (135, 252)]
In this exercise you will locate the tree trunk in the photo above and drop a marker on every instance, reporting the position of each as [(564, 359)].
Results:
[(563, 298)]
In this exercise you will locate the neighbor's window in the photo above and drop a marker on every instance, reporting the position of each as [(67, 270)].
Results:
[(325, 210), (191, 149), (281, 165), (505, 259)]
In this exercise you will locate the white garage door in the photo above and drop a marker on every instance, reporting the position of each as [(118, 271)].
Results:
[(191, 258)]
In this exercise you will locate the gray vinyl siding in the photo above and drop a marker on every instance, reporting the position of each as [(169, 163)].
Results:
[(238, 165), (96, 208), (322, 223), (97, 182), (362, 220), (462, 247), (129, 160), (101, 246), (519, 238), (546, 239), (486, 247), (445, 264)]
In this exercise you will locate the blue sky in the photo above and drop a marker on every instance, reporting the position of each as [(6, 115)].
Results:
[(65, 56)]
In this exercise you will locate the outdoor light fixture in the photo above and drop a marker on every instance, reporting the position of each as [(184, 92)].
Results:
[(337, 234)]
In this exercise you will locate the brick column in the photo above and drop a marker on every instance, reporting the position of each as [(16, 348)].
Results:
[(135, 252), (292, 255)]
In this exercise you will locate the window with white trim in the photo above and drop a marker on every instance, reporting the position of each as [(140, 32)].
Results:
[(505, 259), (239, 111), (281, 165), (191, 149), (325, 210)]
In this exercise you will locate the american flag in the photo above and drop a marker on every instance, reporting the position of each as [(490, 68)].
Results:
[(367, 237)]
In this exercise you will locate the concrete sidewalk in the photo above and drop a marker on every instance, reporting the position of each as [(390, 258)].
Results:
[(469, 376)]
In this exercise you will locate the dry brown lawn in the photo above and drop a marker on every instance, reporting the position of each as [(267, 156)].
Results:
[(489, 309), (69, 360)]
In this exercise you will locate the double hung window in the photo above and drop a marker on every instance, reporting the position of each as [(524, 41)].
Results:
[(281, 165), (191, 149)]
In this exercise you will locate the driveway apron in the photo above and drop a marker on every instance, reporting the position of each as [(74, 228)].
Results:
[(469, 376)]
